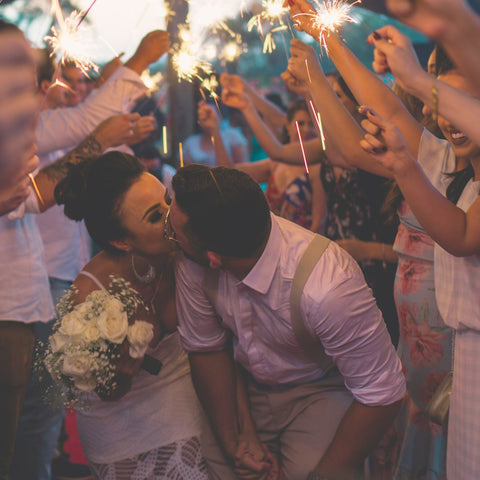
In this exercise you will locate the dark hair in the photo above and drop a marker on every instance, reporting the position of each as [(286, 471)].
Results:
[(45, 65), (293, 107), (226, 209), (443, 63), (459, 182), (6, 26), (94, 189)]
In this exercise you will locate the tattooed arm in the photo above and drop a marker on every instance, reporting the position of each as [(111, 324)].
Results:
[(110, 133)]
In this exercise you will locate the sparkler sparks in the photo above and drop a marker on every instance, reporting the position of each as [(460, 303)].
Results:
[(152, 82), (210, 85), (68, 39), (231, 51), (330, 16), (272, 13), (186, 58)]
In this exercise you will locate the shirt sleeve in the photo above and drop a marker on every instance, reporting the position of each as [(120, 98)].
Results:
[(435, 155), (350, 326), (67, 127), (198, 325)]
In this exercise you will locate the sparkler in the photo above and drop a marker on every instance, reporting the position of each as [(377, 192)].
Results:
[(273, 12), (35, 187), (164, 135), (318, 120), (186, 58), (180, 149), (231, 51), (329, 16), (307, 170), (67, 40)]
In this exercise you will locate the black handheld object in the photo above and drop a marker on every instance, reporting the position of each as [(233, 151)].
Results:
[(151, 365)]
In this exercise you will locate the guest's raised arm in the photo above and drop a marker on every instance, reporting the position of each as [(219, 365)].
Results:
[(455, 230)]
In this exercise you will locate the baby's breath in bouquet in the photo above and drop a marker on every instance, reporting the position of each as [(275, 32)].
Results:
[(86, 339)]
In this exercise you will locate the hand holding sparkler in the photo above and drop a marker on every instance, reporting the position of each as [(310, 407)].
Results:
[(303, 16), (394, 54), (208, 118), (385, 143), (302, 66), (233, 93), (116, 130), (142, 128), (151, 48)]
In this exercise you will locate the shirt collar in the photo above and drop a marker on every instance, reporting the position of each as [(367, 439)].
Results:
[(261, 275)]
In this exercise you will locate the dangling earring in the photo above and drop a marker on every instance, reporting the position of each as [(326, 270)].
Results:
[(148, 277)]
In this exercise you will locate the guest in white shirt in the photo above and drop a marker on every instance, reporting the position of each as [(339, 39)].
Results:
[(308, 419), (24, 293)]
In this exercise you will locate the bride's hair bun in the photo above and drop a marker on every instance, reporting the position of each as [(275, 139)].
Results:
[(72, 190), (94, 189)]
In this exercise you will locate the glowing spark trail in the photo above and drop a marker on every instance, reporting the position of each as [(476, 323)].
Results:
[(303, 149), (180, 149), (318, 120), (35, 187), (164, 135)]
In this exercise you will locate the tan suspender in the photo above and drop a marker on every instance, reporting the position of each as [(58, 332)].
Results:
[(312, 347)]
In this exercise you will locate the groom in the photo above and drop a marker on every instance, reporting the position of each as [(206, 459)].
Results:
[(319, 424)]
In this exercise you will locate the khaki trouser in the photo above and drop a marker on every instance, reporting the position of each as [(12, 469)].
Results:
[(297, 424), (16, 346)]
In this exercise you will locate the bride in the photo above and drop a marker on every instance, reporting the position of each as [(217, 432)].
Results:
[(149, 427)]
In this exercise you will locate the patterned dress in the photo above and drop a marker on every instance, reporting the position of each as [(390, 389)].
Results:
[(353, 205), (297, 203), (415, 448), (274, 196)]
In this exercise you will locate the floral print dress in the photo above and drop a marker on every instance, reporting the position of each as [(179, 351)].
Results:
[(415, 448), (297, 204)]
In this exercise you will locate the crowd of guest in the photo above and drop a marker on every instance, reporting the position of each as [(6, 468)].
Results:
[(309, 313)]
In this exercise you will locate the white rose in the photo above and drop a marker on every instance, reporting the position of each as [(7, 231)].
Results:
[(76, 364), (139, 335), (91, 333), (58, 342), (72, 324), (85, 384), (112, 322)]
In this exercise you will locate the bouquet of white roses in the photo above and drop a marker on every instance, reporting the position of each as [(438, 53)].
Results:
[(86, 339)]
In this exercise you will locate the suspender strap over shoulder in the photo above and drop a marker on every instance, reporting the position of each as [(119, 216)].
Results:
[(312, 347)]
